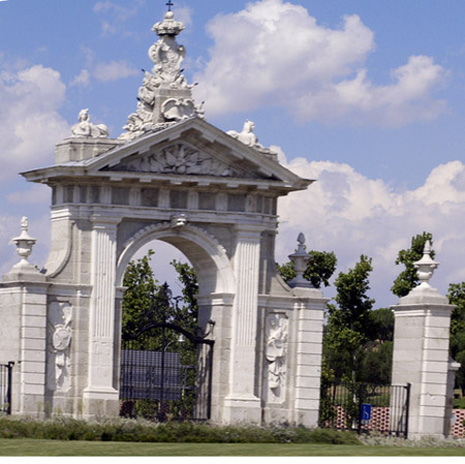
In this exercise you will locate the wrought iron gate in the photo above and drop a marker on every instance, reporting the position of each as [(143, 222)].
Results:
[(166, 369), (365, 408), (6, 374)]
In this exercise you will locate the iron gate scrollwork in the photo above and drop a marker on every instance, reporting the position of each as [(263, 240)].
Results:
[(166, 366)]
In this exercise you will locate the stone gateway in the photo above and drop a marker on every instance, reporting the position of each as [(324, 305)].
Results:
[(174, 177)]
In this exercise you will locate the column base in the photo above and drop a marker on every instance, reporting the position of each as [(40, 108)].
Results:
[(242, 410), (100, 402)]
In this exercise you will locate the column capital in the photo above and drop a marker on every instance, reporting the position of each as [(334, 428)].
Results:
[(248, 231), (108, 221)]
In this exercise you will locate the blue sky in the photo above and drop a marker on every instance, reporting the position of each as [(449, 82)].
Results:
[(366, 96)]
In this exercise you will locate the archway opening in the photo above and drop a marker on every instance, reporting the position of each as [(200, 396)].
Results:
[(165, 359), (164, 254)]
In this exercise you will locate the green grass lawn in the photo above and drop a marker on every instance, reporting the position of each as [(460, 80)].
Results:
[(29, 447)]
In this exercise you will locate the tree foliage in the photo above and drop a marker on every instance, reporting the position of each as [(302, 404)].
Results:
[(408, 278), (141, 286), (376, 359), (349, 321), (319, 270), (146, 301)]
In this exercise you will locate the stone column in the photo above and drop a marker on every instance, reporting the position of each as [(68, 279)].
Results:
[(23, 308), (310, 307), (421, 353), (310, 310), (242, 404), (101, 396)]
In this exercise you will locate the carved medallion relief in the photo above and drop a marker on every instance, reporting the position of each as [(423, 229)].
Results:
[(59, 362)]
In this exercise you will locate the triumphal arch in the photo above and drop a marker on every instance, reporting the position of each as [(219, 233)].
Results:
[(174, 177)]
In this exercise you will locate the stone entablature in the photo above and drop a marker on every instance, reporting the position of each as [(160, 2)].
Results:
[(162, 198)]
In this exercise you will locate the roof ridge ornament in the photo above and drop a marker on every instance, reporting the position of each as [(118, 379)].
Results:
[(300, 259), (165, 97), (426, 266), (84, 128), (248, 137), (424, 292)]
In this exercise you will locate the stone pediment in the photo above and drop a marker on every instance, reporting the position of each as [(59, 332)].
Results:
[(192, 150), (178, 158)]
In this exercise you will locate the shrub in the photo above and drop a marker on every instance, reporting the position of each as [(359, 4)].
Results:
[(120, 429)]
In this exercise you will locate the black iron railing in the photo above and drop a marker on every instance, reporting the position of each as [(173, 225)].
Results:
[(6, 378), (365, 408)]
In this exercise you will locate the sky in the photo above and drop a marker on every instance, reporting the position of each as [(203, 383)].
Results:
[(367, 97)]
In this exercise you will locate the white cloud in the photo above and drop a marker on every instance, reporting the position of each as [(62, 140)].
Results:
[(351, 215), (30, 125), (37, 194), (113, 71), (183, 14), (82, 79), (116, 15), (273, 53)]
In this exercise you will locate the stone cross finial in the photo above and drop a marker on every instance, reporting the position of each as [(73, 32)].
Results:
[(426, 265), (300, 260), (24, 242)]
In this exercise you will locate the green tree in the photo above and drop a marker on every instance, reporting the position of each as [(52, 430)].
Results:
[(408, 278), (382, 325), (190, 288), (146, 301), (319, 270), (456, 295), (349, 321), (141, 286), (376, 362)]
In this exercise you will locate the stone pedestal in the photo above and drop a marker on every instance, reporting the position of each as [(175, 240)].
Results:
[(23, 309), (421, 357), (311, 309)]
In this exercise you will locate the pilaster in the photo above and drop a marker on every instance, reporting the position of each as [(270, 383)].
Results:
[(242, 403), (102, 317)]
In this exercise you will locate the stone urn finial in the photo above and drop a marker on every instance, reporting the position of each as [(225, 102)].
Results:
[(426, 266), (300, 259), (24, 242)]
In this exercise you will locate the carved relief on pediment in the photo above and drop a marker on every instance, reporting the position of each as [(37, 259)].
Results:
[(176, 159)]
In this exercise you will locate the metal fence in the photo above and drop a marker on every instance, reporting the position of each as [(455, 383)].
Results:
[(164, 377), (366, 408), (6, 371)]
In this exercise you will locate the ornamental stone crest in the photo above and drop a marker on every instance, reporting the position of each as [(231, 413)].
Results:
[(276, 354), (58, 364), (176, 159), (165, 97)]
